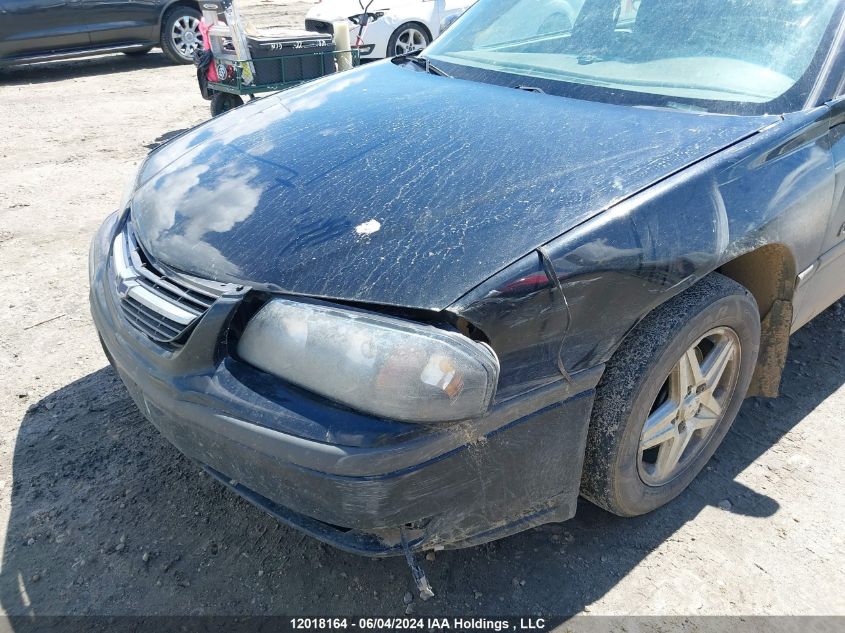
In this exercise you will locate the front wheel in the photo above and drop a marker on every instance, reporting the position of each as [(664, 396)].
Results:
[(223, 102), (669, 395), (411, 36), (180, 34)]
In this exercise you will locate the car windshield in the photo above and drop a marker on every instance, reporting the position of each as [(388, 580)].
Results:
[(709, 54)]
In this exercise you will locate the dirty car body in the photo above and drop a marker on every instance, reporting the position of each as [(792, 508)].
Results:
[(526, 230)]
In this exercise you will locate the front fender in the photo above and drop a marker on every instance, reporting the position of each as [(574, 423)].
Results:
[(611, 271), (567, 306)]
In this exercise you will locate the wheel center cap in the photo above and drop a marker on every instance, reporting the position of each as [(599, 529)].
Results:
[(690, 407), (190, 37)]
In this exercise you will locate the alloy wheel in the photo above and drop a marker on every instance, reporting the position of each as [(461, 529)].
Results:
[(689, 406), (409, 40), (186, 36)]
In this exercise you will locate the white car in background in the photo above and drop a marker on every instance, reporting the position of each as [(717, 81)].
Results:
[(400, 26)]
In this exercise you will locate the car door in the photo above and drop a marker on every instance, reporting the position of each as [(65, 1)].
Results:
[(113, 22), (823, 282), (32, 27)]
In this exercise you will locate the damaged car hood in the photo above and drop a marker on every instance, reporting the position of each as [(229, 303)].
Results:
[(388, 185)]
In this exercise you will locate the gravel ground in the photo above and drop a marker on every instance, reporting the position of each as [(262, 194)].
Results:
[(100, 515)]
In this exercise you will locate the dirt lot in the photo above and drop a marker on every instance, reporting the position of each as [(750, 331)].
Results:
[(101, 516)]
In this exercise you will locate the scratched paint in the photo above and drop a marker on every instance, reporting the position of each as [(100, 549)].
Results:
[(368, 228), (455, 203)]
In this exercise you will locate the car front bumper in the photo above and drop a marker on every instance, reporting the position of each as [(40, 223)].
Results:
[(343, 477)]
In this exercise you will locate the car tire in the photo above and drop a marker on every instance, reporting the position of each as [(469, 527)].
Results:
[(409, 36), (180, 34), (223, 102), (650, 436), (138, 52)]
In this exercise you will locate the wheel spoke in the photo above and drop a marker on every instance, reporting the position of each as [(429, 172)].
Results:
[(689, 372), (669, 455), (659, 427), (716, 362), (710, 408)]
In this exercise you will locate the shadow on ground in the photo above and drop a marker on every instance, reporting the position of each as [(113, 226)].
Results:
[(46, 72), (108, 518)]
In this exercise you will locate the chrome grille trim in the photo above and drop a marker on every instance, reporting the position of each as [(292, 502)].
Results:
[(146, 321), (162, 304)]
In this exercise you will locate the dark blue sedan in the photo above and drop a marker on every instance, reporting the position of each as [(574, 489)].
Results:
[(428, 302)]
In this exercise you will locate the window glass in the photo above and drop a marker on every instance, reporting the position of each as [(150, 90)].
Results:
[(747, 51)]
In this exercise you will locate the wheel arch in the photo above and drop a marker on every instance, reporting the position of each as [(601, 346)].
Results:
[(405, 21), (769, 273)]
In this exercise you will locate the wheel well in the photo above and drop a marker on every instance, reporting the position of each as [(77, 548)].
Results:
[(769, 274)]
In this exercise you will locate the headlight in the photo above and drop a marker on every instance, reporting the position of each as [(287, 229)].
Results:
[(384, 366)]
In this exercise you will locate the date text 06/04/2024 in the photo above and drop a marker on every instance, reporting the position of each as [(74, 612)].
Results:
[(419, 623)]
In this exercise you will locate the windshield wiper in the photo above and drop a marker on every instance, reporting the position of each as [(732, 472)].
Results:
[(423, 62)]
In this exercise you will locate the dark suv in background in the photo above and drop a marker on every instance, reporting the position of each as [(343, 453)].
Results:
[(43, 30)]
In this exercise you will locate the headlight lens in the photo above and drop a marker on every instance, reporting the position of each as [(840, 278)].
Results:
[(384, 366)]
